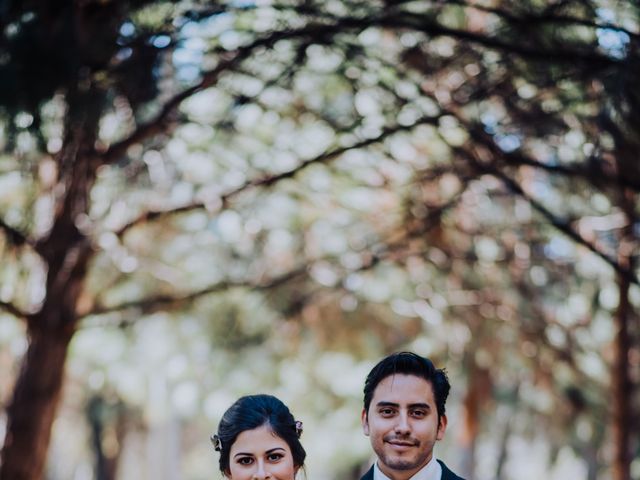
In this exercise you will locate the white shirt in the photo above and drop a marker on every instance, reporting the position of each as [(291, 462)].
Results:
[(431, 471)]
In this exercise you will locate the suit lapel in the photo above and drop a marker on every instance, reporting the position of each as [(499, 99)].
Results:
[(446, 473), (368, 475)]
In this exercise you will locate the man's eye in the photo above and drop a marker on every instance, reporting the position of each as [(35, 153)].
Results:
[(419, 413), (386, 412), (245, 460), (274, 457)]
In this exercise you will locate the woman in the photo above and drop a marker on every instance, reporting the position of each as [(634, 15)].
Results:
[(258, 438)]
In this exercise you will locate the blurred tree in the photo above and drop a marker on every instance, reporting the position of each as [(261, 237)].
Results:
[(107, 422), (480, 156)]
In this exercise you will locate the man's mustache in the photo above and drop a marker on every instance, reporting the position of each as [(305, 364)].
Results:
[(412, 442)]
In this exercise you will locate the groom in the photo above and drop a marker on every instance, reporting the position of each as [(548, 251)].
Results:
[(403, 416)]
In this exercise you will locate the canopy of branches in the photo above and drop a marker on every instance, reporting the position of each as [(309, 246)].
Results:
[(215, 198)]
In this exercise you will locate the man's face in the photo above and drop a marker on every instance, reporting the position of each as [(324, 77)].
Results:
[(402, 423)]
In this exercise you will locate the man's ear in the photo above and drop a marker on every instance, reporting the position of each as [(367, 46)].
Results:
[(442, 426), (365, 422)]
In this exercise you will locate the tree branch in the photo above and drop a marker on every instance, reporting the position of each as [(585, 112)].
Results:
[(512, 185), (165, 302), (545, 17), (426, 25), (558, 223), (159, 124), (593, 171), (13, 310), (319, 32), (14, 236), (209, 78), (389, 248), (270, 180)]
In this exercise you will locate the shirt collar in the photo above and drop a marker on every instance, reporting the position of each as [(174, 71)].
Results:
[(431, 471)]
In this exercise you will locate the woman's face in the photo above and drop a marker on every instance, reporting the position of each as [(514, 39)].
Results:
[(260, 454)]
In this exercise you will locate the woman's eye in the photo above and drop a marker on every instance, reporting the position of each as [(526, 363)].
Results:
[(245, 460), (274, 457)]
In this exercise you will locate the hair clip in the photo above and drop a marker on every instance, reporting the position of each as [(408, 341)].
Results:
[(298, 428), (216, 442)]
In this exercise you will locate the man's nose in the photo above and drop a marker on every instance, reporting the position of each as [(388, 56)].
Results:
[(402, 424), (261, 472)]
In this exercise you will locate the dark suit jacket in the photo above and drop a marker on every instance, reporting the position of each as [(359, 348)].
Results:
[(446, 473)]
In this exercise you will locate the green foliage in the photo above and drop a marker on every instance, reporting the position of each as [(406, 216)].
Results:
[(282, 193)]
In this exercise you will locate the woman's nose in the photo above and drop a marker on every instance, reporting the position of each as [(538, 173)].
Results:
[(261, 472)]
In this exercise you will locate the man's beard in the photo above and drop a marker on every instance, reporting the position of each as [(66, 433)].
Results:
[(401, 464)]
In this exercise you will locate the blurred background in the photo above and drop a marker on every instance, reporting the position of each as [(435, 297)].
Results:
[(201, 200)]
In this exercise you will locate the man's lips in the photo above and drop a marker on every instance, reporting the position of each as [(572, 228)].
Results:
[(401, 443)]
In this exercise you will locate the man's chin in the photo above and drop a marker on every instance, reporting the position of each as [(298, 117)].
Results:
[(395, 463)]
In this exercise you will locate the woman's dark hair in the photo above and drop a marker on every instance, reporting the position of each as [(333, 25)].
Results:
[(253, 411), (408, 363)]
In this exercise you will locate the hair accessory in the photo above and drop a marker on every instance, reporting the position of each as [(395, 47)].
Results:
[(216, 442), (298, 428)]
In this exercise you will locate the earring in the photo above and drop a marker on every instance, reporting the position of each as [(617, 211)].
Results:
[(216, 442)]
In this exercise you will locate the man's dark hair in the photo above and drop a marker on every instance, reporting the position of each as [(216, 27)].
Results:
[(254, 411), (408, 363)]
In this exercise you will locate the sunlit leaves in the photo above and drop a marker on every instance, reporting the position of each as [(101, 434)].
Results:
[(293, 209)]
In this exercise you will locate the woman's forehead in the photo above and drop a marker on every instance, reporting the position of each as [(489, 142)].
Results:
[(260, 439)]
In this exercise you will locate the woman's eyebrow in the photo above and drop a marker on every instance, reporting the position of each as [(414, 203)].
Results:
[(275, 450), (244, 454)]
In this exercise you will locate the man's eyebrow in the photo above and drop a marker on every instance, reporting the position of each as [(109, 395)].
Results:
[(425, 406), (387, 404)]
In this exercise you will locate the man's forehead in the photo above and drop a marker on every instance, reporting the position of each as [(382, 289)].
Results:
[(403, 384)]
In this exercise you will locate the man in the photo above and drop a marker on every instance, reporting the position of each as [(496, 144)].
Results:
[(404, 416)]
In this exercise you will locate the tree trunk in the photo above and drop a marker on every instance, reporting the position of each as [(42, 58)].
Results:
[(622, 417), (39, 385), (66, 253), (506, 435), (478, 393), (33, 407), (621, 388), (107, 421)]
